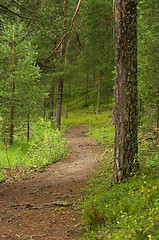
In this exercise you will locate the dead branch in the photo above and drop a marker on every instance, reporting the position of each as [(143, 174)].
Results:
[(68, 46), (81, 22), (56, 48), (64, 36), (71, 37), (75, 14)]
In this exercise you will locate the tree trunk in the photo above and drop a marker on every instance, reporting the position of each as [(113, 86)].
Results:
[(126, 117), (94, 77), (12, 107), (44, 110), (60, 83), (55, 98), (28, 127), (11, 125), (59, 104), (99, 92), (86, 104), (51, 102), (68, 94), (157, 107)]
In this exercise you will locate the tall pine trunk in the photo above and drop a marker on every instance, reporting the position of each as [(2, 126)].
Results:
[(60, 83), (126, 117)]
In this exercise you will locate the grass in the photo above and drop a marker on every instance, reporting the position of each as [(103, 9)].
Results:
[(126, 211), (129, 210), (46, 146), (87, 117)]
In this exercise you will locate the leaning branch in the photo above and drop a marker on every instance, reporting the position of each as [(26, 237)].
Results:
[(16, 14), (56, 48), (71, 38), (75, 14), (64, 36)]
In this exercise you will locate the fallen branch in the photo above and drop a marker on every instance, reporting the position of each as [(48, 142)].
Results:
[(151, 139), (41, 205), (33, 236)]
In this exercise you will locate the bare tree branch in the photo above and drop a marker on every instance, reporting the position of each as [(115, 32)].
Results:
[(64, 36), (71, 38), (56, 48), (75, 14)]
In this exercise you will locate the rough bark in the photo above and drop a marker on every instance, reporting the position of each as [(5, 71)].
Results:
[(126, 117)]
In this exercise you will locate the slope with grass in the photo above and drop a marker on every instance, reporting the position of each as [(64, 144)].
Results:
[(129, 210)]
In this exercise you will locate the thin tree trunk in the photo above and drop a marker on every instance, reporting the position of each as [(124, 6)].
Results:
[(55, 99), (99, 92), (44, 110), (68, 94), (28, 127), (59, 104), (157, 104), (126, 117), (60, 83), (11, 126), (12, 107), (86, 104), (51, 102), (94, 77)]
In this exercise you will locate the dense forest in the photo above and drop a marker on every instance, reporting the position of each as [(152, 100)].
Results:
[(61, 61)]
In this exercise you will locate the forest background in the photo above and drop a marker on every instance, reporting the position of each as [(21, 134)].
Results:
[(57, 59)]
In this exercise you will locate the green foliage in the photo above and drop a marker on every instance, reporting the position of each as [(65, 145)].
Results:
[(46, 146), (20, 77), (148, 55), (126, 211)]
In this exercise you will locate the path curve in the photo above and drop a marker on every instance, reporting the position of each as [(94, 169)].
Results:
[(45, 207)]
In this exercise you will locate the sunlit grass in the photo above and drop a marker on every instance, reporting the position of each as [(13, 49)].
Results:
[(87, 117)]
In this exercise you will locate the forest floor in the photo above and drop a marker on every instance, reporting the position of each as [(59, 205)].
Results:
[(45, 206)]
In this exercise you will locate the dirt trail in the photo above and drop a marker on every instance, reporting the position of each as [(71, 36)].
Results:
[(45, 207)]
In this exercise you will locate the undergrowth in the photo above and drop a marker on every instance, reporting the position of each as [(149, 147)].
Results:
[(129, 210), (46, 146)]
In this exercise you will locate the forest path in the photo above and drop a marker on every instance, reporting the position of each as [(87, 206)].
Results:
[(45, 207)]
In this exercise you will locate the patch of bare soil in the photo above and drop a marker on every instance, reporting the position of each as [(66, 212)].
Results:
[(46, 206)]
